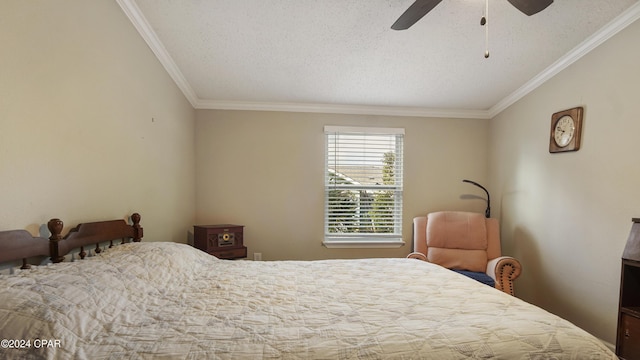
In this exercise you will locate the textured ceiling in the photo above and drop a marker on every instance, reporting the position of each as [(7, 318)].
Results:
[(342, 56)]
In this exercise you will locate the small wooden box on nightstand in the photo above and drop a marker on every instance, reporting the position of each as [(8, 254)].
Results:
[(223, 241)]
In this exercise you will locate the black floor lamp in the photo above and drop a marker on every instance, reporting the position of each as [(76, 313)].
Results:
[(487, 212)]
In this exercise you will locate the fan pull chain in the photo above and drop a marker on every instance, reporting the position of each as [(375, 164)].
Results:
[(484, 22)]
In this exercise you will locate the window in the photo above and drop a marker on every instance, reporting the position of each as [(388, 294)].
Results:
[(363, 186)]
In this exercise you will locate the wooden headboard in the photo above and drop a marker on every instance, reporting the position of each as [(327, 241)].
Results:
[(21, 245), (92, 233)]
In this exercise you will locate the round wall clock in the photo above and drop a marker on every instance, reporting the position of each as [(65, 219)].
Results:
[(566, 128)]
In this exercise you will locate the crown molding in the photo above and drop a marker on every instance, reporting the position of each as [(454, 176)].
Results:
[(605, 33), (141, 24), (138, 20), (342, 109)]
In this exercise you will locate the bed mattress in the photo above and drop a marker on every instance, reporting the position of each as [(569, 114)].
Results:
[(166, 300)]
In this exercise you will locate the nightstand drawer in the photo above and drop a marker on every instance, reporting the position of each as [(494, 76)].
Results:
[(629, 341), (230, 254)]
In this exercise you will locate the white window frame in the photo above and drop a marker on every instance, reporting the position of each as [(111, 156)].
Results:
[(368, 239)]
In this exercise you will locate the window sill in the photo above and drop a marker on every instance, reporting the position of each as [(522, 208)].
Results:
[(363, 243)]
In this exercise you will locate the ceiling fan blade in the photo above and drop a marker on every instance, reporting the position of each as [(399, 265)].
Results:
[(414, 13), (531, 7)]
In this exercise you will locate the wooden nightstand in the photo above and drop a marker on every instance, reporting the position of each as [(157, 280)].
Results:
[(223, 241), (628, 337)]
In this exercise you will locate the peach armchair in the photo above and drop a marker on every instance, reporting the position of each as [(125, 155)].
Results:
[(464, 241)]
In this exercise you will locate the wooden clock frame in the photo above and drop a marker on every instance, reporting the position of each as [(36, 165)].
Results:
[(573, 145)]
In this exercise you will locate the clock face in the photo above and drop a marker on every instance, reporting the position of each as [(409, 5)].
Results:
[(564, 131)]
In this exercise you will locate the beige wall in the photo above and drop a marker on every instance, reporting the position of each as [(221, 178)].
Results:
[(567, 216), (264, 170), (91, 125)]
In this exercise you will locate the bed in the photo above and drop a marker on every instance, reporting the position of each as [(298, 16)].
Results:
[(143, 300)]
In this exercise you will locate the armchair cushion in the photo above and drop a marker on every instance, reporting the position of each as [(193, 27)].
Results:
[(457, 240), (456, 230), (459, 259)]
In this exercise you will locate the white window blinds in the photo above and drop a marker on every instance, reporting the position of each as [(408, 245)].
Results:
[(363, 185)]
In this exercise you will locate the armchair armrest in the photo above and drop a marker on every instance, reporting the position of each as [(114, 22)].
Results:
[(504, 270), (417, 255)]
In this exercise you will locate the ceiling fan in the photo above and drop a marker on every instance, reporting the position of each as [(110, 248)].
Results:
[(420, 8)]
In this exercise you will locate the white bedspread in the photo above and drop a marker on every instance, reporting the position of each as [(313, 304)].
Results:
[(166, 300)]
